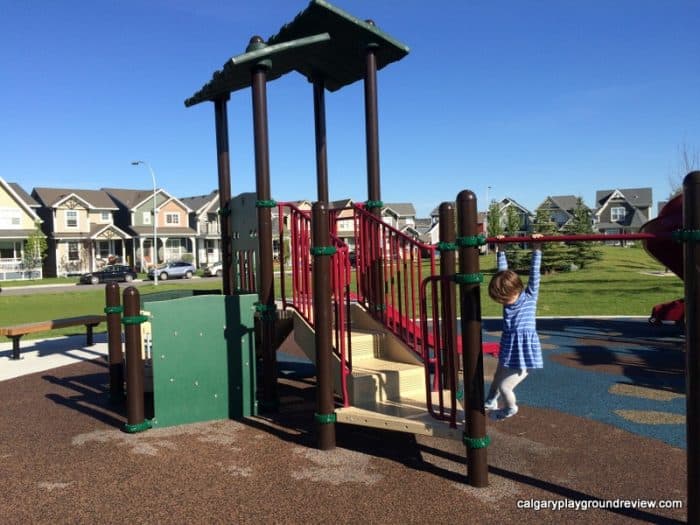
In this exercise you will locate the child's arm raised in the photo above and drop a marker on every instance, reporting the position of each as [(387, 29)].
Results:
[(533, 284), (501, 261)]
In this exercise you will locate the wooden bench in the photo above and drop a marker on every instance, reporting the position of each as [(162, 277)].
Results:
[(15, 332)]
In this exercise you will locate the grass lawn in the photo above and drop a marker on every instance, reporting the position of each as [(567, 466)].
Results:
[(625, 282)]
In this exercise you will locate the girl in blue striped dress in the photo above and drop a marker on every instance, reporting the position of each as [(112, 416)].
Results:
[(520, 345)]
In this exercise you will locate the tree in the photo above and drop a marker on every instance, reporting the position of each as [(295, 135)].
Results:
[(513, 221), (582, 253), (516, 256), (689, 160), (493, 220), (554, 254), (35, 249)]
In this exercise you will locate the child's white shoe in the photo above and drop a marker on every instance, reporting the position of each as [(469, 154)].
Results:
[(491, 404), (504, 413)]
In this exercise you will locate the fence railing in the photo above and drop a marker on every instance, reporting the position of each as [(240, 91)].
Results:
[(297, 255)]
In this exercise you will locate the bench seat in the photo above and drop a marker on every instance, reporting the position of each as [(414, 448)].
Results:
[(15, 332)]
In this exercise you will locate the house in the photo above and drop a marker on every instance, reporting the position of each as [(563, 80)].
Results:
[(525, 216), (432, 235), (622, 210), (560, 209), (402, 216), (302, 205), (18, 221), (80, 230), (399, 215), (204, 219), (428, 230), (175, 239), (344, 221)]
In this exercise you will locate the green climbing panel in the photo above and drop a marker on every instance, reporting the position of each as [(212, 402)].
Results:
[(203, 358)]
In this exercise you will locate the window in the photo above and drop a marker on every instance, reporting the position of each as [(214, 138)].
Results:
[(103, 249), (104, 216), (10, 218), (617, 213), (147, 217), (73, 251), (71, 219), (10, 250), (172, 218)]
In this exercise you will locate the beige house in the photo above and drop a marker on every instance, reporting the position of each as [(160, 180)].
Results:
[(205, 220), (18, 221), (80, 229), (175, 239)]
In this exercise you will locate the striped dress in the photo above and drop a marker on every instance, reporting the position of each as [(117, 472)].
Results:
[(520, 344)]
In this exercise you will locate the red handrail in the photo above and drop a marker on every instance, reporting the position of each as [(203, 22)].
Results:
[(399, 258), (302, 282)]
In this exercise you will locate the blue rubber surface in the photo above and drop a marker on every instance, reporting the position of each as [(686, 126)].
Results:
[(610, 354)]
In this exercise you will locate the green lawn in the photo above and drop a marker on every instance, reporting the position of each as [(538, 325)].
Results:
[(625, 282)]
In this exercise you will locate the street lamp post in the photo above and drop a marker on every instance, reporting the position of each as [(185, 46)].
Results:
[(155, 221)]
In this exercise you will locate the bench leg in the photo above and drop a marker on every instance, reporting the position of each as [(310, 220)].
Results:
[(15, 346), (90, 340)]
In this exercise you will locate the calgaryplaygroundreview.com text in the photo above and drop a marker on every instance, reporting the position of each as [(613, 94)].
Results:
[(586, 504)]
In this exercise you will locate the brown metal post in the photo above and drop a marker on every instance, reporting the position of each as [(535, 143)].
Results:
[(325, 413), (264, 203), (223, 163), (320, 132), (448, 265), (374, 200), (472, 355), (135, 419), (691, 274), (114, 310)]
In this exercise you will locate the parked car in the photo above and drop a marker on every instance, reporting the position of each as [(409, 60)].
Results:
[(173, 270), (108, 274), (212, 270)]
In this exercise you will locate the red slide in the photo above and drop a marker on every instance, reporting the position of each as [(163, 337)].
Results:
[(669, 253), (665, 250)]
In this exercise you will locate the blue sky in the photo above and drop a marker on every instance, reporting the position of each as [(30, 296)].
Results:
[(529, 97)]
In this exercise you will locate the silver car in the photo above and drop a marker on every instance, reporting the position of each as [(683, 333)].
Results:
[(173, 270), (213, 270)]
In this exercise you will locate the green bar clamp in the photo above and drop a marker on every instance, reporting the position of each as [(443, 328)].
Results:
[(446, 246), (374, 204), (325, 419), (323, 250), (114, 309), (473, 443), (138, 427), (224, 212), (135, 319), (471, 241), (468, 278), (686, 235), (265, 204), (267, 312)]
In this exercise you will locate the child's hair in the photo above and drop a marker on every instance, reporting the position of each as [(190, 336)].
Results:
[(504, 285)]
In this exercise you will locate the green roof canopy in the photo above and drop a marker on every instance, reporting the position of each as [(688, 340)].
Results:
[(279, 59), (342, 61)]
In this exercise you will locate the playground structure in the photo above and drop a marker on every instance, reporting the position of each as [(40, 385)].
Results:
[(387, 348)]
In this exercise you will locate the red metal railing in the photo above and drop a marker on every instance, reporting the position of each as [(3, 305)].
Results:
[(297, 223), (390, 267), (439, 329)]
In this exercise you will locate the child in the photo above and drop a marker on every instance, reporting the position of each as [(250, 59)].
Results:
[(520, 345)]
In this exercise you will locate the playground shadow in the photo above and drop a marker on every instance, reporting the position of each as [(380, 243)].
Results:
[(70, 344), (649, 356), (90, 397)]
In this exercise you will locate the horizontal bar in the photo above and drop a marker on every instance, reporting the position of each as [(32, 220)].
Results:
[(581, 238)]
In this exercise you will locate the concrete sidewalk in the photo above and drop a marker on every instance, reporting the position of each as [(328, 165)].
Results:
[(39, 355)]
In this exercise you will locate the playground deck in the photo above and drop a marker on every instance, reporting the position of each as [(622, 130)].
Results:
[(603, 421)]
